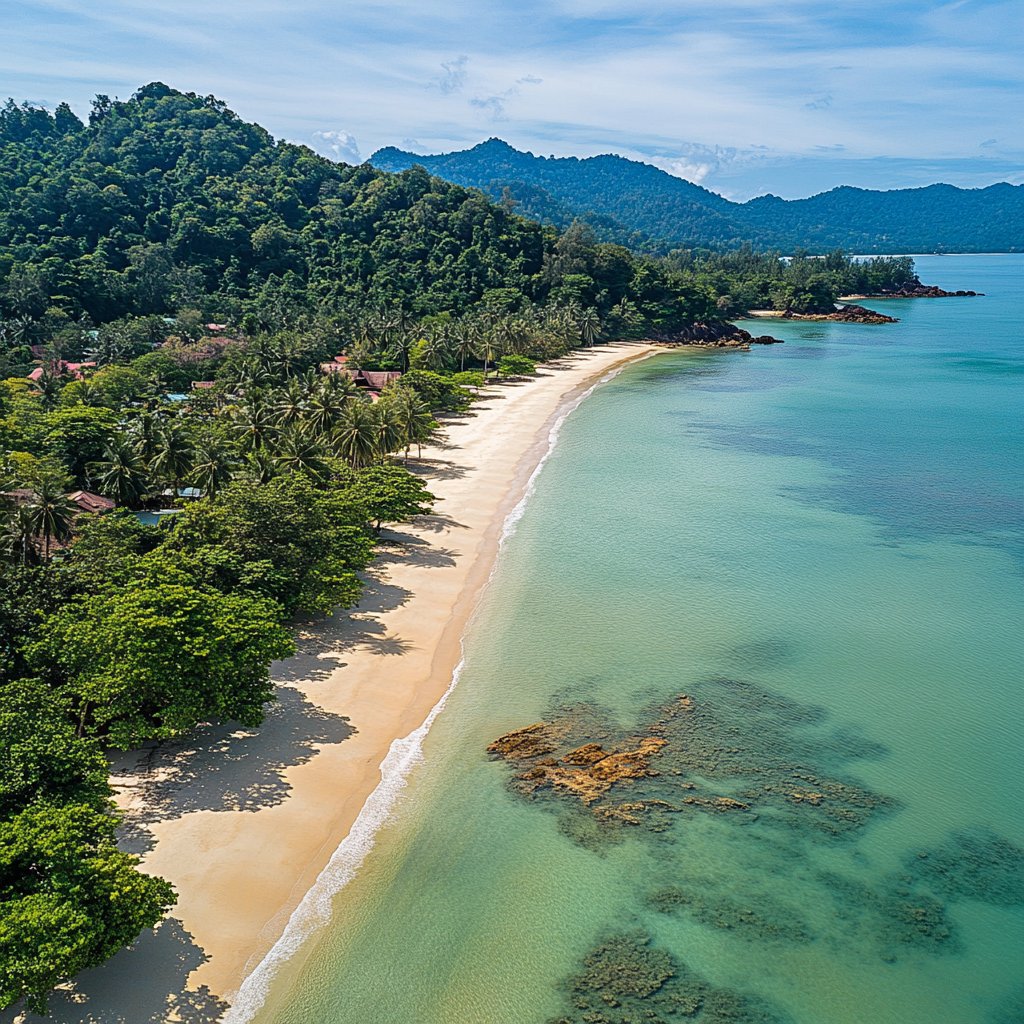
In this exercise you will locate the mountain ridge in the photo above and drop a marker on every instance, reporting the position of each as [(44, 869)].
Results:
[(638, 204)]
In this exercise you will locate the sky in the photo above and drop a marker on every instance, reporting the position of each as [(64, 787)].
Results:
[(745, 97)]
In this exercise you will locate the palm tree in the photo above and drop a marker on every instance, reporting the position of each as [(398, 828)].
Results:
[(290, 403), (401, 345), (172, 459), (296, 452), (121, 473), (49, 386), (144, 431), (18, 534), (388, 427), (51, 513), (357, 435), (465, 343), (489, 349), (413, 416), (438, 348), (253, 421), (589, 324), (324, 410), (212, 467)]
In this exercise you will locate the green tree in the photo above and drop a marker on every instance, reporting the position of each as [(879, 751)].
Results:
[(121, 474), (356, 434), (303, 545), (52, 514), (516, 366), (69, 899), (390, 494), (151, 660), (41, 759)]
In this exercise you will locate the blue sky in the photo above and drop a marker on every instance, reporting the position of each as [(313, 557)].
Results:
[(744, 96)]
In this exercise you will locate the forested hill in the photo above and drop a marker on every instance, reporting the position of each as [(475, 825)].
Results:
[(168, 201), (639, 205)]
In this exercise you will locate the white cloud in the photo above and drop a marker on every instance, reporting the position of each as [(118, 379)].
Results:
[(339, 145), (883, 78), (454, 77)]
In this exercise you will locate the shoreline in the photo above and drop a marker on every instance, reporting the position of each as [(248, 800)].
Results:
[(247, 824)]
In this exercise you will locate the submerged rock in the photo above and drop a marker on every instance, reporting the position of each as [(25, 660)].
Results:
[(626, 980), (738, 751), (974, 865)]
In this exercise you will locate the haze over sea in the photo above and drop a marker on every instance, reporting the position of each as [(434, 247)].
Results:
[(822, 543)]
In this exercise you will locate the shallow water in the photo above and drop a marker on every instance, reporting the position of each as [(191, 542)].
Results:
[(822, 543)]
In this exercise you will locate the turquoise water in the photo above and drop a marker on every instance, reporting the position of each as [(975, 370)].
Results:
[(822, 543)]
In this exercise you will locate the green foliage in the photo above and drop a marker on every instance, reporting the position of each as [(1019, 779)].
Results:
[(68, 898), (301, 546), (389, 494), (516, 366), (42, 760), (151, 660), (77, 436), (438, 392)]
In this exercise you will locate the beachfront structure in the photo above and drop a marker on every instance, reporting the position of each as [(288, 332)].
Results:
[(373, 380)]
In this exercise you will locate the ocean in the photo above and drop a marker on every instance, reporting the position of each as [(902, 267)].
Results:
[(798, 573)]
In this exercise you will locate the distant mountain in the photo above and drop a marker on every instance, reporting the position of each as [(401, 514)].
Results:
[(639, 205)]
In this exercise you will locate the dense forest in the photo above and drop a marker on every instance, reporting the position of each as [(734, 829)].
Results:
[(217, 353), (639, 205)]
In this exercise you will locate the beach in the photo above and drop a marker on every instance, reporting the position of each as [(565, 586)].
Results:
[(243, 821)]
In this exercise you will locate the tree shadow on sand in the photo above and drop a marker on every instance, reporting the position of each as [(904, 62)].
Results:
[(144, 984), (437, 469), (407, 549), (224, 767)]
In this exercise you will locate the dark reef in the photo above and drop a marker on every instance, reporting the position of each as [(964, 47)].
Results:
[(769, 774), (625, 980)]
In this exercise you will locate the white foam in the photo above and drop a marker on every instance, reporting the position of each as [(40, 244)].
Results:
[(315, 909)]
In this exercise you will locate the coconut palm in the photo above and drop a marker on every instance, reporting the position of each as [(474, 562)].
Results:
[(437, 349), (212, 467), (172, 459), (51, 513), (294, 451), (589, 324), (324, 410), (253, 421), (388, 427), (465, 343), (489, 349), (49, 387), (413, 416), (18, 534), (290, 403), (356, 434), (143, 432), (121, 473)]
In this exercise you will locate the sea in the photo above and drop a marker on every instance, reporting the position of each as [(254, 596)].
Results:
[(799, 572)]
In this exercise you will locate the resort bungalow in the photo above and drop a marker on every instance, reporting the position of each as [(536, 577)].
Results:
[(61, 368), (94, 504), (372, 380)]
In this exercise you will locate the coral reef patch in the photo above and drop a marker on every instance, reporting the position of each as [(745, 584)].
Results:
[(626, 980)]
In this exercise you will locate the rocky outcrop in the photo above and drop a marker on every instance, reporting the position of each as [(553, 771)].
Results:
[(848, 314), (923, 291), (587, 772), (717, 335)]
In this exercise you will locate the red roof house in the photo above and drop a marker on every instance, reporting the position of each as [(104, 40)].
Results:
[(60, 368), (89, 502)]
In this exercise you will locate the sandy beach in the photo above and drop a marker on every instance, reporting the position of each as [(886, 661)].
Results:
[(243, 821)]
